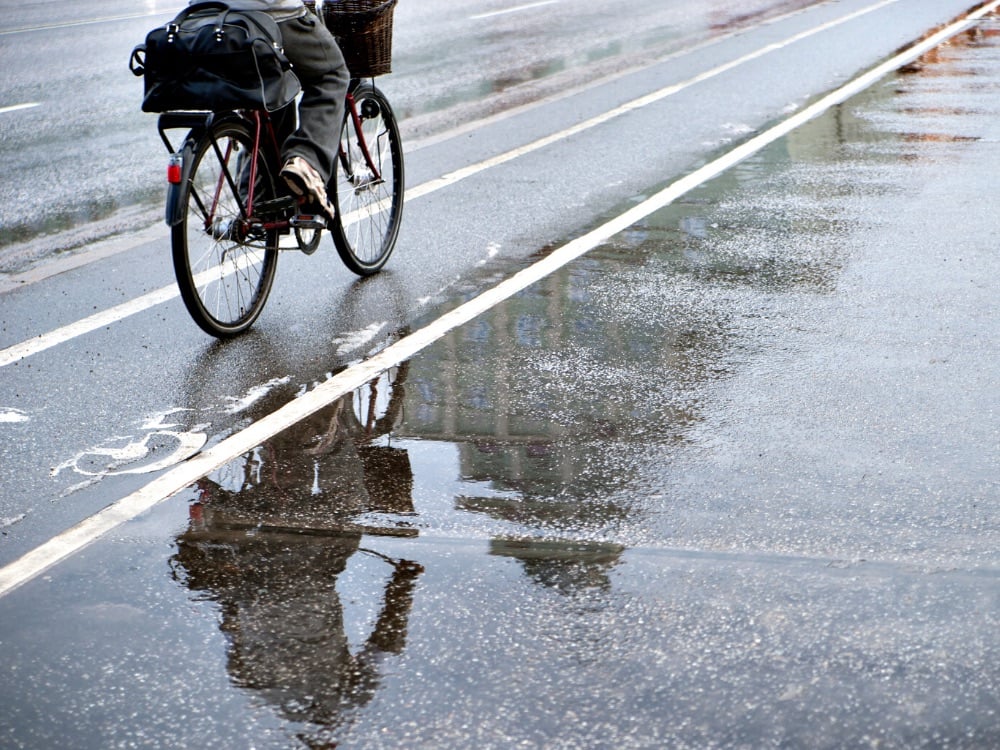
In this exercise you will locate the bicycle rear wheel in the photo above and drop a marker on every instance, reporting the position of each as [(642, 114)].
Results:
[(369, 202), (224, 265)]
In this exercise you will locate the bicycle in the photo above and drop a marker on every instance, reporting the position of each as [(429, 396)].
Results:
[(228, 209)]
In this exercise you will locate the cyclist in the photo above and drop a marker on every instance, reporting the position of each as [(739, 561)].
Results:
[(308, 149)]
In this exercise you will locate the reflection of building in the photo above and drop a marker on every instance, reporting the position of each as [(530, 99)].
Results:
[(528, 389), (822, 139), (267, 541), (567, 567)]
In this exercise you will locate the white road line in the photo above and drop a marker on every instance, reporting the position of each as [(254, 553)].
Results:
[(175, 480), (86, 325), (61, 335), (517, 9), (643, 101), (87, 22), (16, 107)]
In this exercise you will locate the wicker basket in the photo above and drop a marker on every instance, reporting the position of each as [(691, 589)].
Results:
[(363, 29)]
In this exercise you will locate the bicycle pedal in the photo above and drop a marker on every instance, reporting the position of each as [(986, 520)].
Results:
[(274, 206), (308, 221)]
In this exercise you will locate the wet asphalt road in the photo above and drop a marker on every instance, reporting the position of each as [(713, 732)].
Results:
[(729, 480), (101, 162)]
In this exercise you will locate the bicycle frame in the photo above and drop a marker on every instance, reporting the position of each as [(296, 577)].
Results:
[(199, 123), (265, 137), (230, 212), (352, 109)]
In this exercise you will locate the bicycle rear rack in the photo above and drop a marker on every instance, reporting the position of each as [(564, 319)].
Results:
[(187, 120)]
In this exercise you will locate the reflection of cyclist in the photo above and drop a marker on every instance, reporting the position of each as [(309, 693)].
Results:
[(267, 542), (317, 61), (284, 620), (321, 474)]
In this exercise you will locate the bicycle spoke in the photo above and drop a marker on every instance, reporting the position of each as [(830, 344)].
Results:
[(224, 274), (369, 184)]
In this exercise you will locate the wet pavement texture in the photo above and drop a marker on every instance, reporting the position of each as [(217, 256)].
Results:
[(514, 58), (100, 158), (728, 481)]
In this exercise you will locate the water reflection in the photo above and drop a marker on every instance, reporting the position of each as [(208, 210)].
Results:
[(550, 410), (567, 567), (269, 537)]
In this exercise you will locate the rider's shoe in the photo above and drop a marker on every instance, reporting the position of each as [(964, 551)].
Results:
[(303, 180)]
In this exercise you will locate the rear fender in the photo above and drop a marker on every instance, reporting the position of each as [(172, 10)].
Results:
[(199, 123), (175, 191)]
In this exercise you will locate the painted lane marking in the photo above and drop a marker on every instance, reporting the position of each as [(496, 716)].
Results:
[(74, 24), (58, 336), (516, 9), (465, 172), (127, 458), (112, 315), (61, 335), (160, 444), (17, 107), (9, 415), (177, 479), (98, 250)]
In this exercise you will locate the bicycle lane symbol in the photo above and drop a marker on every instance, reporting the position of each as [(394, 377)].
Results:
[(160, 445), (163, 444)]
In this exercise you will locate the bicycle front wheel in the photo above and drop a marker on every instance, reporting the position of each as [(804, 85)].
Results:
[(224, 265), (367, 183)]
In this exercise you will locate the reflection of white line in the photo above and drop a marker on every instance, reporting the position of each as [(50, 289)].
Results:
[(517, 9), (42, 342), (173, 481), (16, 107)]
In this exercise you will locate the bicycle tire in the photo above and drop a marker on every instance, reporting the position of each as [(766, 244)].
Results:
[(224, 269), (369, 206)]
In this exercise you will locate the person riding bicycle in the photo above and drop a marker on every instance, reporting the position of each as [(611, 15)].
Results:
[(309, 149)]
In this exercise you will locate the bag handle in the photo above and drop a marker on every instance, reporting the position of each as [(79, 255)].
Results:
[(137, 63), (273, 32), (190, 10), (205, 6)]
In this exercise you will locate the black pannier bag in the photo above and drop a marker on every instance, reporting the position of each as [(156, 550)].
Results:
[(211, 57)]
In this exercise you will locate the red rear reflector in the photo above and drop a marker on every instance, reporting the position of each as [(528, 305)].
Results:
[(174, 170)]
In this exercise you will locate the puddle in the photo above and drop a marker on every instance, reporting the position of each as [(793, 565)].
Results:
[(269, 538), (318, 477), (540, 419), (282, 616), (542, 414), (539, 416), (570, 427)]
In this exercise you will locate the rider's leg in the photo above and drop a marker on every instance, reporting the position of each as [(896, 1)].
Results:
[(319, 64)]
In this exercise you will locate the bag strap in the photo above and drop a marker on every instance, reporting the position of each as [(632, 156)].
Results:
[(137, 62)]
